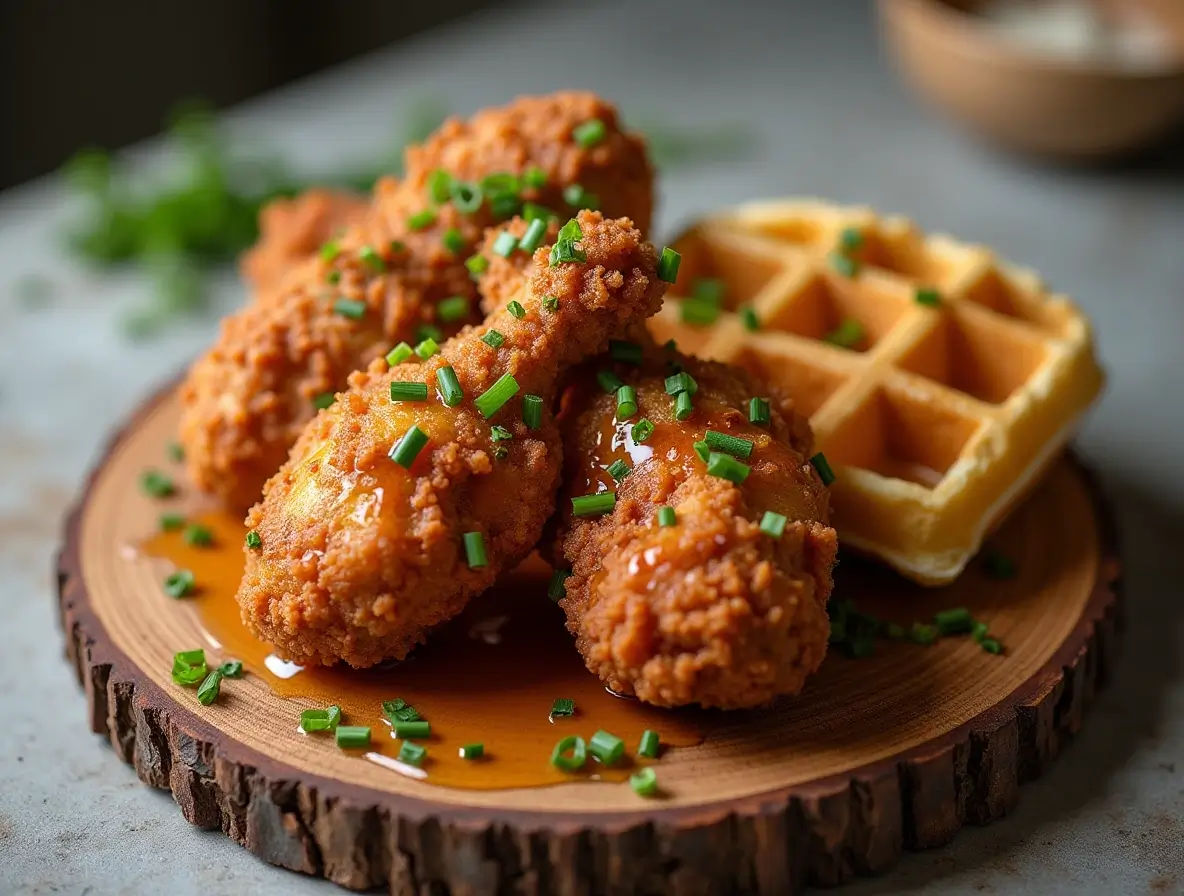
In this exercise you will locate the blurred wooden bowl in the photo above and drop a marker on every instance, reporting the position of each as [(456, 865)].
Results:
[(1025, 100)]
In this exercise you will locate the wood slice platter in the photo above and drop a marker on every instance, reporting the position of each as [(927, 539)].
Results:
[(890, 752)]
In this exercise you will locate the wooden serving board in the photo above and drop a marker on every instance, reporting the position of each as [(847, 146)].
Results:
[(894, 751)]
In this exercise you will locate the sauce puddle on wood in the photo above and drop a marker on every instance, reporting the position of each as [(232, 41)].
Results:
[(490, 676)]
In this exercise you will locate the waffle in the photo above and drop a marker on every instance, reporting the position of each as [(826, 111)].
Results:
[(936, 418)]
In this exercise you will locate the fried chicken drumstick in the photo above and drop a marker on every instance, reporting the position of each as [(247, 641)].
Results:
[(425, 481), (702, 607), (247, 399)]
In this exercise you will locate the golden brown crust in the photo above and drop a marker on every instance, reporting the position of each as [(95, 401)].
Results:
[(247, 399), (710, 611)]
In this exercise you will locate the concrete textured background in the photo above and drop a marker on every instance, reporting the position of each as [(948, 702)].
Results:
[(810, 81)]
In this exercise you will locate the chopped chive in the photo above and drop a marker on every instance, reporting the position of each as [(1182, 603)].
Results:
[(594, 505), (709, 289), (748, 316), (979, 632), (198, 536), (641, 430), (175, 452), (557, 589), (427, 348), (440, 186), (179, 583), (232, 669), (921, 633), (453, 241), (353, 737), (626, 402), (254, 542), (354, 309), (333, 277), (189, 667), (493, 339), (606, 747), (320, 719), (504, 205), (466, 198), (563, 707), (668, 265), (927, 296), (550, 303), (500, 182), (590, 133), (822, 467), (622, 350), (758, 411), (399, 710), (570, 754), (515, 308), (397, 246), (847, 334), (428, 331), (452, 309), (894, 631), (505, 244), (157, 484), (650, 744), (208, 692), (412, 753), (644, 781), (372, 259), (472, 751), (491, 400), (475, 550), (577, 197), (565, 249), (535, 177), (407, 448), (532, 211), (501, 452), (843, 264), (500, 434), (773, 523), (532, 411), (330, 251), (681, 382), (733, 445), (957, 621), (609, 381), (997, 566), (533, 238), (477, 265), (667, 517), (324, 400), (618, 469), (683, 406), (412, 730), (398, 354), (450, 390), (409, 391), (171, 522), (422, 220), (699, 313), (991, 645), (850, 239), (727, 467)]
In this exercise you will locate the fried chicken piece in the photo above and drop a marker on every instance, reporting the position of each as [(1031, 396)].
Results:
[(361, 556), (290, 230), (247, 399), (710, 610)]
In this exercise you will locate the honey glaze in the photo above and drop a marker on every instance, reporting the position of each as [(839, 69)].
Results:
[(490, 676)]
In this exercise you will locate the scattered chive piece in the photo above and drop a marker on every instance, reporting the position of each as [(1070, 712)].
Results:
[(644, 782), (320, 719), (324, 400), (606, 747), (703, 450), (493, 339), (198, 536), (748, 316), (409, 391), (578, 750), (156, 484), (399, 710), (330, 251), (422, 220), (666, 516), (683, 406), (477, 265), (618, 469), (466, 198), (440, 185), (232, 669), (505, 244), (171, 522), (926, 295), (254, 542), (822, 467), (589, 133), (557, 588), (179, 584), (997, 566), (353, 737), (412, 753), (535, 177), (550, 303), (847, 334), (894, 631), (450, 390), (727, 467), (773, 523), (427, 331), (641, 430), (594, 505), (991, 645), (452, 309), (980, 632), (709, 289), (563, 707), (491, 400), (427, 348), (626, 402), (623, 350), (453, 241), (409, 730), (407, 448), (609, 381), (921, 633), (851, 238), (668, 265), (501, 452), (475, 550), (354, 309), (733, 445), (398, 246), (957, 621), (681, 382), (500, 182), (844, 264), (398, 354), (758, 411), (500, 434), (175, 452), (565, 249), (472, 751), (533, 237), (515, 308), (189, 667), (699, 313), (333, 278), (577, 197), (504, 205), (372, 259), (210, 688), (650, 743), (532, 411)]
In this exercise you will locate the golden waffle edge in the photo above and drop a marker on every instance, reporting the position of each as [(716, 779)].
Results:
[(940, 418)]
